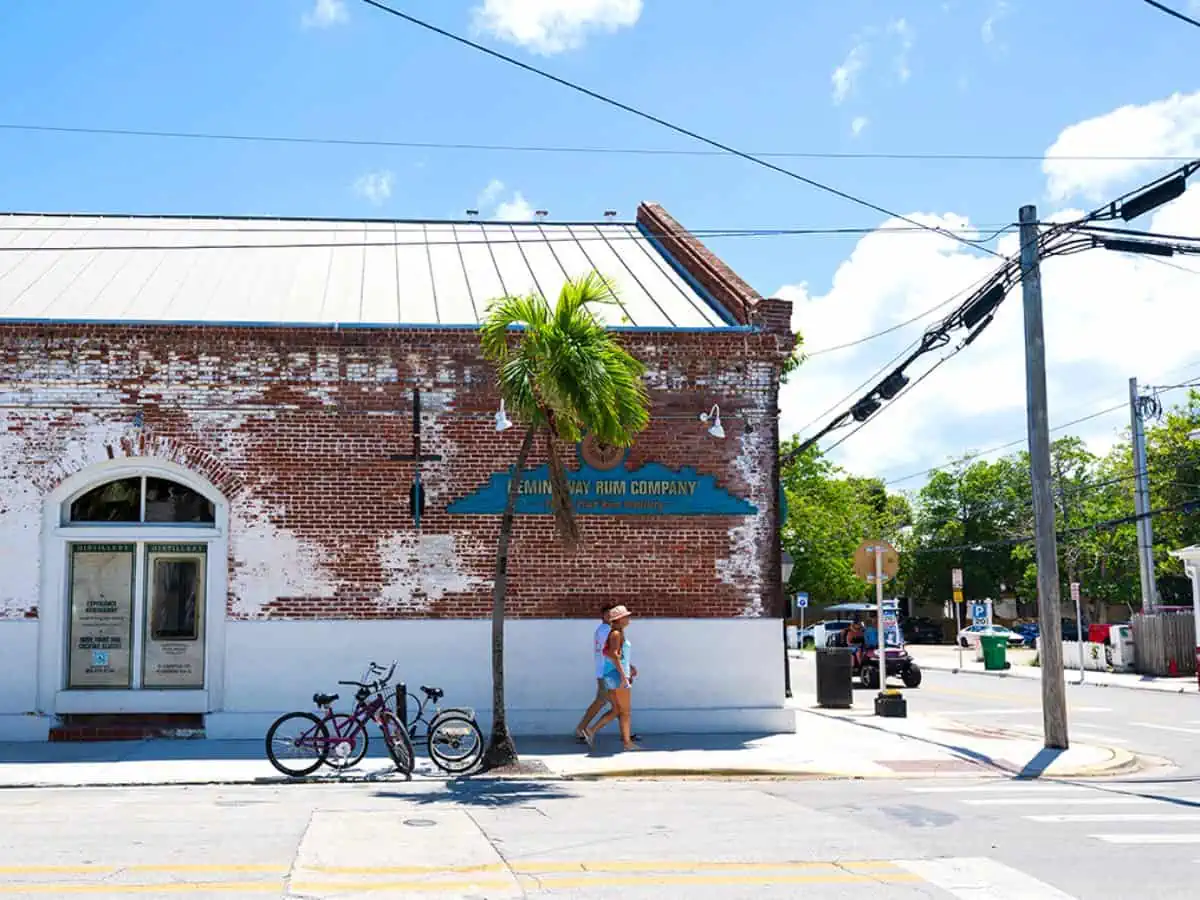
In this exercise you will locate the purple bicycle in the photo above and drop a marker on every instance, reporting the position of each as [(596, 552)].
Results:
[(298, 743)]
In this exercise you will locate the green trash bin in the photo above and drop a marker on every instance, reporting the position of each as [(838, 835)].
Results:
[(995, 648)]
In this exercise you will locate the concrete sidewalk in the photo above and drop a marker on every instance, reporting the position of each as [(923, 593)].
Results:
[(828, 744), (945, 659)]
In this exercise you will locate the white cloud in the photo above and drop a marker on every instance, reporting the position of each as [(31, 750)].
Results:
[(325, 13), (859, 125), (977, 399), (906, 36), (553, 26), (987, 31), (490, 194), (492, 204), (514, 209), (375, 187), (1169, 127), (844, 76)]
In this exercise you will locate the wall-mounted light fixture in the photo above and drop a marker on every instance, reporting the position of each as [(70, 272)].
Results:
[(503, 422), (714, 416)]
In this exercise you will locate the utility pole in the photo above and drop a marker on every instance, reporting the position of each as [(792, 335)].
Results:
[(1141, 500), (1071, 555), (1054, 697)]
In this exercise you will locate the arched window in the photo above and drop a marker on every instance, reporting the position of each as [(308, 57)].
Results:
[(142, 499)]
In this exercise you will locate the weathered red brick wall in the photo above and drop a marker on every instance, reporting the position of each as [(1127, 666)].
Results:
[(295, 427)]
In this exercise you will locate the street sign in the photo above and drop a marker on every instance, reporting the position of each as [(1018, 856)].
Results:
[(980, 613), (956, 581), (1075, 592), (958, 596), (801, 600), (864, 561), (889, 617)]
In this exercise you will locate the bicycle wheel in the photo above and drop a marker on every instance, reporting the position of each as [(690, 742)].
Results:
[(347, 742), (299, 736), (455, 743), (395, 737)]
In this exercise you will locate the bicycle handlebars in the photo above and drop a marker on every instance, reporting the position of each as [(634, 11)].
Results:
[(374, 669)]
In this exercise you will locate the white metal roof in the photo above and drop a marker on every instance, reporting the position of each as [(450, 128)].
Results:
[(280, 271)]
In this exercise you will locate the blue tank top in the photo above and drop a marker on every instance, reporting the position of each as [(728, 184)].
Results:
[(610, 667)]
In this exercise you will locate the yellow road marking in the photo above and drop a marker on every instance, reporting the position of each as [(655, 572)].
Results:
[(96, 869), (557, 883), (545, 875), (583, 866), (979, 695), (169, 887)]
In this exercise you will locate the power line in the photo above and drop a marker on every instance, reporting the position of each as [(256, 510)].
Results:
[(245, 137), (982, 453), (1187, 506), (922, 377), (1103, 412), (311, 245), (658, 120), (1172, 12)]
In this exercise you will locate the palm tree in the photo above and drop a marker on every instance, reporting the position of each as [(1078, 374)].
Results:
[(561, 373)]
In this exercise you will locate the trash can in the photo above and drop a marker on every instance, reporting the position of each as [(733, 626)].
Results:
[(835, 688), (995, 647)]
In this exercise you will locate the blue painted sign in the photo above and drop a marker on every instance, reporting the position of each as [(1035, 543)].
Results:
[(979, 613), (802, 600), (652, 490)]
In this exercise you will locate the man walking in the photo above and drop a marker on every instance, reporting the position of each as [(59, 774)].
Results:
[(599, 639)]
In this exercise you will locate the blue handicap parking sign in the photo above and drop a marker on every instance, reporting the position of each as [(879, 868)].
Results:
[(802, 600)]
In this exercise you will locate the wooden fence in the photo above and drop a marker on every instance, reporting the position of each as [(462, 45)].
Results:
[(1164, 637)]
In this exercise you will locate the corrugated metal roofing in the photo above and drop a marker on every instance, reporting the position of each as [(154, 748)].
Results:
[(278, 271)]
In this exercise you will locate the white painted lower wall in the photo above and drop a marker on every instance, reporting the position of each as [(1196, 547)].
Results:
[(18, 682), (695, 675)]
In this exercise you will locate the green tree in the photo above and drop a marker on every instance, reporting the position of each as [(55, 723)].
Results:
[(829, 515), (561, 373), (966, 518), (1173, 460)]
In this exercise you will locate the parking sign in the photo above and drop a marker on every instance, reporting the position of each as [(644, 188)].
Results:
[(801, 600), (979, 613)]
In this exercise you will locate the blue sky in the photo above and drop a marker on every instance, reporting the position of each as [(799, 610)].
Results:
[(962, 76)]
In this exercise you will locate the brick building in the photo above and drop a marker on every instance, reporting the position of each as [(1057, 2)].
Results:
[(206, 467)]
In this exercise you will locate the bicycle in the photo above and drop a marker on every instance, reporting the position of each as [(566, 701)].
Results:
[(346, 746), (452, 735)]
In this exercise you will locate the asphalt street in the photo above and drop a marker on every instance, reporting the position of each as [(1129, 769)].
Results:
[(1165, 725), (984, 839)]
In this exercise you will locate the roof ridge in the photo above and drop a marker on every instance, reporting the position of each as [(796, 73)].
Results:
[(208, 217)]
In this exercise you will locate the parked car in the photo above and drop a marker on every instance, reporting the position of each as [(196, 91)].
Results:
[(920, 630), (969, 636), (1028, 631), (823, 631)]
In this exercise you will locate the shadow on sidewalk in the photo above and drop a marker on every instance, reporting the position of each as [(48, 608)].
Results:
[(486, 794)]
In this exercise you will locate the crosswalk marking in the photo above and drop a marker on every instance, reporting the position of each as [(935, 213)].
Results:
[(1117, 817), (1095, 736), (981, 879), (1147, 838), (1065, 801), (1006, 787), (1175, 728)]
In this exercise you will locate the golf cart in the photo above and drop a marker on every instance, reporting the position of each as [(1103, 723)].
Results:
[(865, 665)]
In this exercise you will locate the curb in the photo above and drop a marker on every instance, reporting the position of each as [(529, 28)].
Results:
[(272, 781), (936, 667)]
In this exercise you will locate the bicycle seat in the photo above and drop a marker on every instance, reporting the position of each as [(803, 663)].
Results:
[(324, 699), (434, 694)]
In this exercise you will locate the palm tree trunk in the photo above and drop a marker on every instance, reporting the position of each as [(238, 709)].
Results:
[(561, 502), (501, 751)]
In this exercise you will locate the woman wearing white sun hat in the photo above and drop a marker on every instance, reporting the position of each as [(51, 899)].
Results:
[(619, 673)]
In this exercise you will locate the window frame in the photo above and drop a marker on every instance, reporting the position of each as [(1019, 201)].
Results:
[(65, 520)]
